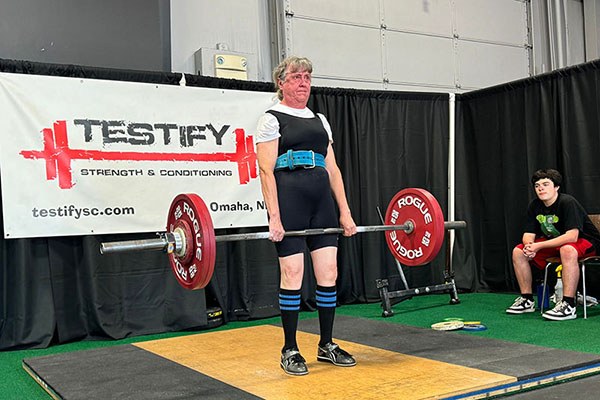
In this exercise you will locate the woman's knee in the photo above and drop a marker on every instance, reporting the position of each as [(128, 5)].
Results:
[(291, 278), (292, 270), (326, 273)]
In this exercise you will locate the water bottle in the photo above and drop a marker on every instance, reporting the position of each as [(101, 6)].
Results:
[(558, 288)]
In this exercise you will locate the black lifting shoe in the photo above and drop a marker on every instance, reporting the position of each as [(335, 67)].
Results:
[(293, 363), (332, 353)]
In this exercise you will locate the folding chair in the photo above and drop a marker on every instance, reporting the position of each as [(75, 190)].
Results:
[(583, 262)]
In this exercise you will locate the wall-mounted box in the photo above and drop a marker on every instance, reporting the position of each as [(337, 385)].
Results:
[(226, 64)]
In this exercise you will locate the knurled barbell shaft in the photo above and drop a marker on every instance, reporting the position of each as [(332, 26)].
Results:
[(163, 242), (315, 231), (408, 226)]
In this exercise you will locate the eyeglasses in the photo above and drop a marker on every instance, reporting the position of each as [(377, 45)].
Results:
[(299, 77)]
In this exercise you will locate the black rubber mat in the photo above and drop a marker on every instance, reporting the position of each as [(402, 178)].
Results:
[(585, 388), (124, 372), (129, 372), (523, 361)]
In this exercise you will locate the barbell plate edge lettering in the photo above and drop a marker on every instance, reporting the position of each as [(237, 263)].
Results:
[(422, 245)]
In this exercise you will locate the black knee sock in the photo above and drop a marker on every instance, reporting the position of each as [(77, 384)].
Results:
[(289, 305), (326, 302)]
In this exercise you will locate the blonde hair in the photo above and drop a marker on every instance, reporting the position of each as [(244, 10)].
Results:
[(295, 64)]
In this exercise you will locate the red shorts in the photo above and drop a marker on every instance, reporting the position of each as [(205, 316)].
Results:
[(583, 247)]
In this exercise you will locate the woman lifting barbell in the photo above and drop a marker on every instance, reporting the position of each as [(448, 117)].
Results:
[(300, 180)]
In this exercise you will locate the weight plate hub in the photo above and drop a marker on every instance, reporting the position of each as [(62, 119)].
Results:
[(194, 268), (423, 243)]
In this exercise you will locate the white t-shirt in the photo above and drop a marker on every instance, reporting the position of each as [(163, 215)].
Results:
[(268, 125)]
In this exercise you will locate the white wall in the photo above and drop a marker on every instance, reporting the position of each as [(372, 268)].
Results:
[(416, 45), (242, 25), (433, 45), (591, 12)]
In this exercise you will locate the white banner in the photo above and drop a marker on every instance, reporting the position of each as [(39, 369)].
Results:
[(83, 156)]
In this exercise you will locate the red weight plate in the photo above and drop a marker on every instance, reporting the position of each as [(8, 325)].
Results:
[(422, 244), (195, 268)]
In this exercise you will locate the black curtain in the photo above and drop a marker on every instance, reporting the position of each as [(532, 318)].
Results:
[(61, 289), (383, 141), (56, 290), (504, 134)]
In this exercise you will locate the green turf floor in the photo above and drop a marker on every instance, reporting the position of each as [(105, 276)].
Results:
[(577, 335)]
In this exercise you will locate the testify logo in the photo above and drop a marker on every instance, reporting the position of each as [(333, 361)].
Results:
[(58, 155), (140, 133)]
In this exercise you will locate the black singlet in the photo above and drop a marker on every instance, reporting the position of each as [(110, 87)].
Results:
[(304, 195)]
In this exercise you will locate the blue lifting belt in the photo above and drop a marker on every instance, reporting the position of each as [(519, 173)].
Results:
[(299, 158)]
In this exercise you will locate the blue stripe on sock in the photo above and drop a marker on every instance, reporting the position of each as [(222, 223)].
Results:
[(326, 299), (289, 302), (327, 305), (289, 296), (329, 301), (289, 308), (326, 294)]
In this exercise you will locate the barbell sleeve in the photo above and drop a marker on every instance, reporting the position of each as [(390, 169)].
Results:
[(158, 244), (455, 224)]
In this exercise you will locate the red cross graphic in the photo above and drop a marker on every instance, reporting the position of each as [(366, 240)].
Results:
[(58, 155)]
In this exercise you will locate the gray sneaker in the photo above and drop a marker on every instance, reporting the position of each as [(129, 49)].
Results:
[(521, 305), (561, 312), (332, 353), (293, 363)]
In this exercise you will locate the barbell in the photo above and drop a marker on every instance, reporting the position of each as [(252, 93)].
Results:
[(414, 229)]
